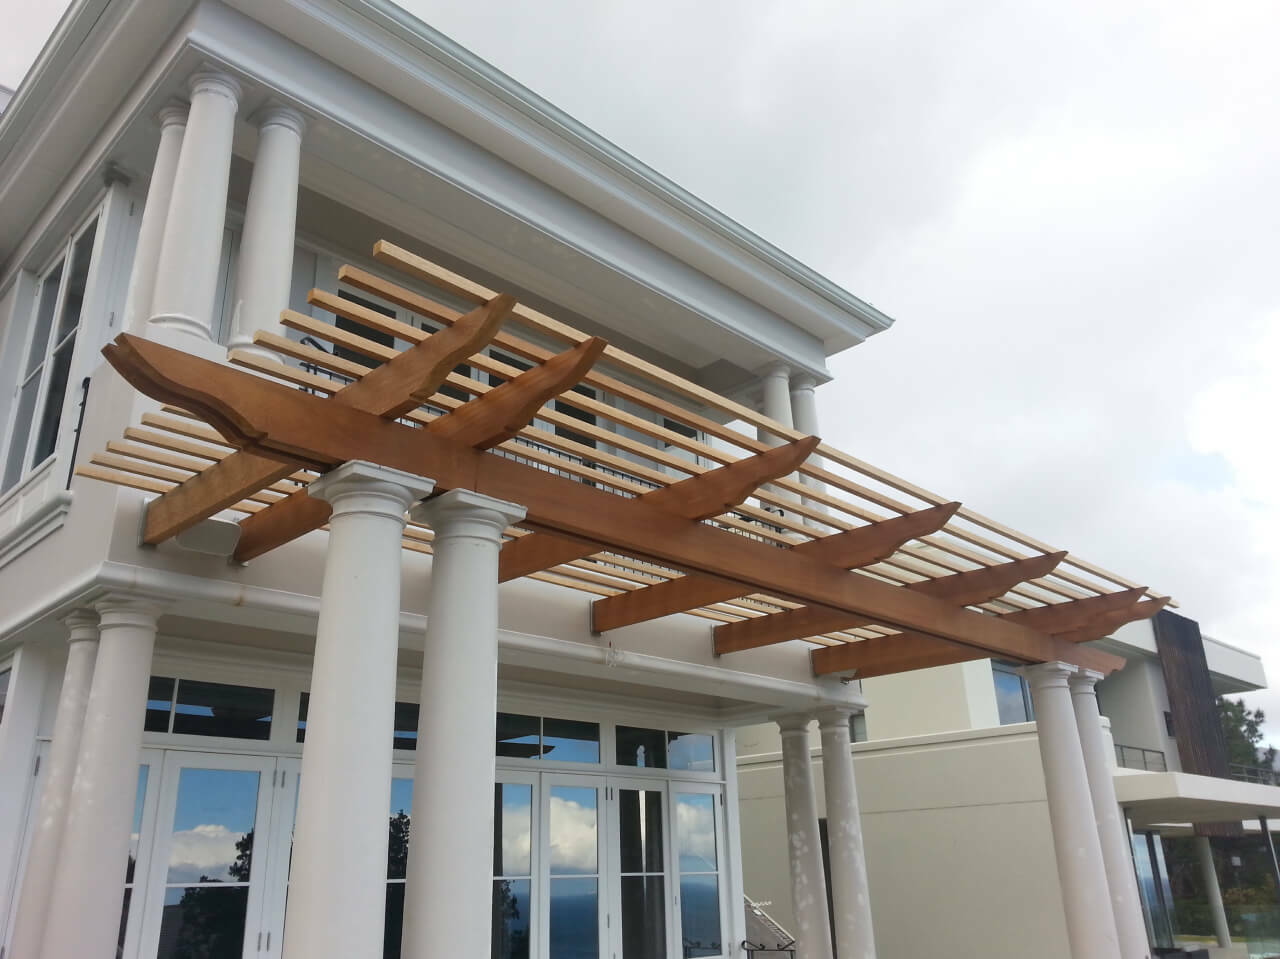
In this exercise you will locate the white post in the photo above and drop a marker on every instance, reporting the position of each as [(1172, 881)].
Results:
[(1117, 854), (337, 893), (850, 892), (804, 416), (266, 245), (1209, 873), (142, 279), (1085, 897), (808, 883), (51, 812), (775, 385), (187, 270), (88, 885), (449, 884)]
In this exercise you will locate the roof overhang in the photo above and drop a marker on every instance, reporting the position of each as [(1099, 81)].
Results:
[(1154, 799)]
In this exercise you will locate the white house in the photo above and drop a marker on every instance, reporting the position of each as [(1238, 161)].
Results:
[(305, 310)]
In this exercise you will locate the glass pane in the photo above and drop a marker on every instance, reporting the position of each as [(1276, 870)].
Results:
[(700, 915), (512, 829), (568, 741), (1010, 702), (695, 752), (21, 431), (203, 921), (640, 830), (644, 917), (518, 736), (393, 926), (398, 826), (406, 733), (135, 833), (44, 317), (213, 826), (124, 921), (159, 704), (217, 709), (641, 747), (4, 690), (73, 299), (51, 419), (368, 333), (575, 922), (573, 830), (511, 919), (303, 703), (696, 832)]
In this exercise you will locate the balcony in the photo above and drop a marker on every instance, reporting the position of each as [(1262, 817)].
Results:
[(1263, 775), (1135, 757)]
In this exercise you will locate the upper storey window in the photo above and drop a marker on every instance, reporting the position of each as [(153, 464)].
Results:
[(42, 383)]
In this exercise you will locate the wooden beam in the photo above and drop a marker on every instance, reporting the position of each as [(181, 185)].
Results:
[(848, 550), (1106, 624), (484, 422), (960, 589), (698, 497), (269, 418), (1061, 617), (388, 390)]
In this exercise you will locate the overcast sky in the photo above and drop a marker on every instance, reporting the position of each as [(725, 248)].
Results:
[(1071, 210)]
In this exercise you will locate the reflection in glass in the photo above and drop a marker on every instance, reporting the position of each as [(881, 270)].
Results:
[(641, 747), (695, 752), (203, 921), (644, 917), (518, 736), (1011, 696), (512, 829), (213, 824), (406, 731), (700, 915), (573, 830), (640, 830), (44, 317), (393, 926), (159, 704), (511, 919), (696, 832), (574, 919), (135, 834), (4, 689), (398, 828), (218, 709), (570, 741)]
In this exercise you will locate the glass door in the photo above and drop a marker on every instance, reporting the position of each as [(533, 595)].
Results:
[(207, 878), (572, 852), (639, 839), (699, 843)]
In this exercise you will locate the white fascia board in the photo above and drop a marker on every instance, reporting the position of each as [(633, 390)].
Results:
[(1232, 669), (383, 45)]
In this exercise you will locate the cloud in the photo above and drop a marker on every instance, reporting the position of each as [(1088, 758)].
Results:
[(574, 848), (204, 850)]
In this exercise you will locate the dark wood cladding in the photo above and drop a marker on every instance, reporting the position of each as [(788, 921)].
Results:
[(1202, 747)]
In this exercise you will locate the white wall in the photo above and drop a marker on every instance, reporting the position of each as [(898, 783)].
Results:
[(925, 701), (1135, 700)]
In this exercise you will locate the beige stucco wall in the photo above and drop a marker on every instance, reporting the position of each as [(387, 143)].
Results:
[(1135, 700), (928, 701), (959, 850)]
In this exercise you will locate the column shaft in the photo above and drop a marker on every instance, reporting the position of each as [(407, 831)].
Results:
[(850, 892), (1117, 854), (1213, 892), (804, 416), (1085, 895), (775, 400), (83, 914), (804, 842), (449, 883), (142, 279), (337, 893), (266, 245), (60, 771), (187, 271)]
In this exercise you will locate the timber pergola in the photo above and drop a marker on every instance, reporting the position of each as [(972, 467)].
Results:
[(641, 487)]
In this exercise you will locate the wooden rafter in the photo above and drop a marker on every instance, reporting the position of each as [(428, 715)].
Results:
[(275, 421), (1061, 617), (1108, 623)]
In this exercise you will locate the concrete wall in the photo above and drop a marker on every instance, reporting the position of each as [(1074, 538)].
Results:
[(959, 850), (926, 701), (1135, 700)]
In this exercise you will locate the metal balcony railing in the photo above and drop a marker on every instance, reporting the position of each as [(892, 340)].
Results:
[(1254, 774), (1135, 757)]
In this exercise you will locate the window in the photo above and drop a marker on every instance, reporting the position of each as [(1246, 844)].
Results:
[(566, 408), (1168, 723), (660, 749), (361, 330), (187, 707), (559, 740), (858, 727), (42, 384), (405, 735), (4, 690), (1013, 696)]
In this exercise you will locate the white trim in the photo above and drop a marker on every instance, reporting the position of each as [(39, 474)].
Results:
[(45, 519)]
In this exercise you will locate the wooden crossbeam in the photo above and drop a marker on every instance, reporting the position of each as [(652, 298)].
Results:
[(389, 390), (960, 589), (268, 418), (848, 550), (1108, 623), (698, 497), (484, 422), (1061, 617)]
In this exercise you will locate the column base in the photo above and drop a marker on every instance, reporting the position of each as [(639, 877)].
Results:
[(183, 324)]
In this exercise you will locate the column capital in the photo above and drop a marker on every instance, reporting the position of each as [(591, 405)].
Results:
[(173, 114), (1083, 682), (128, 609), (464, 512), (804, 382), (1048, 675), (776, 368), (792, 724), (82, 624), (834, 717), (381, 490), (279, 115), (217, 82)]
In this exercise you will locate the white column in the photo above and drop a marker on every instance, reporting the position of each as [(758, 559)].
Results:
[(808, 883), (850, 892), (775, 403), (266, 246), (88, 884), (1117, 854), (187, 270), (142, 279), (60, 770), (449, 885), (337, 894), (1086, 900), (804, 416), (1213, 892)]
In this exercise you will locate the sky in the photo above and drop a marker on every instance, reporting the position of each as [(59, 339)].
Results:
[(1071, 210)]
